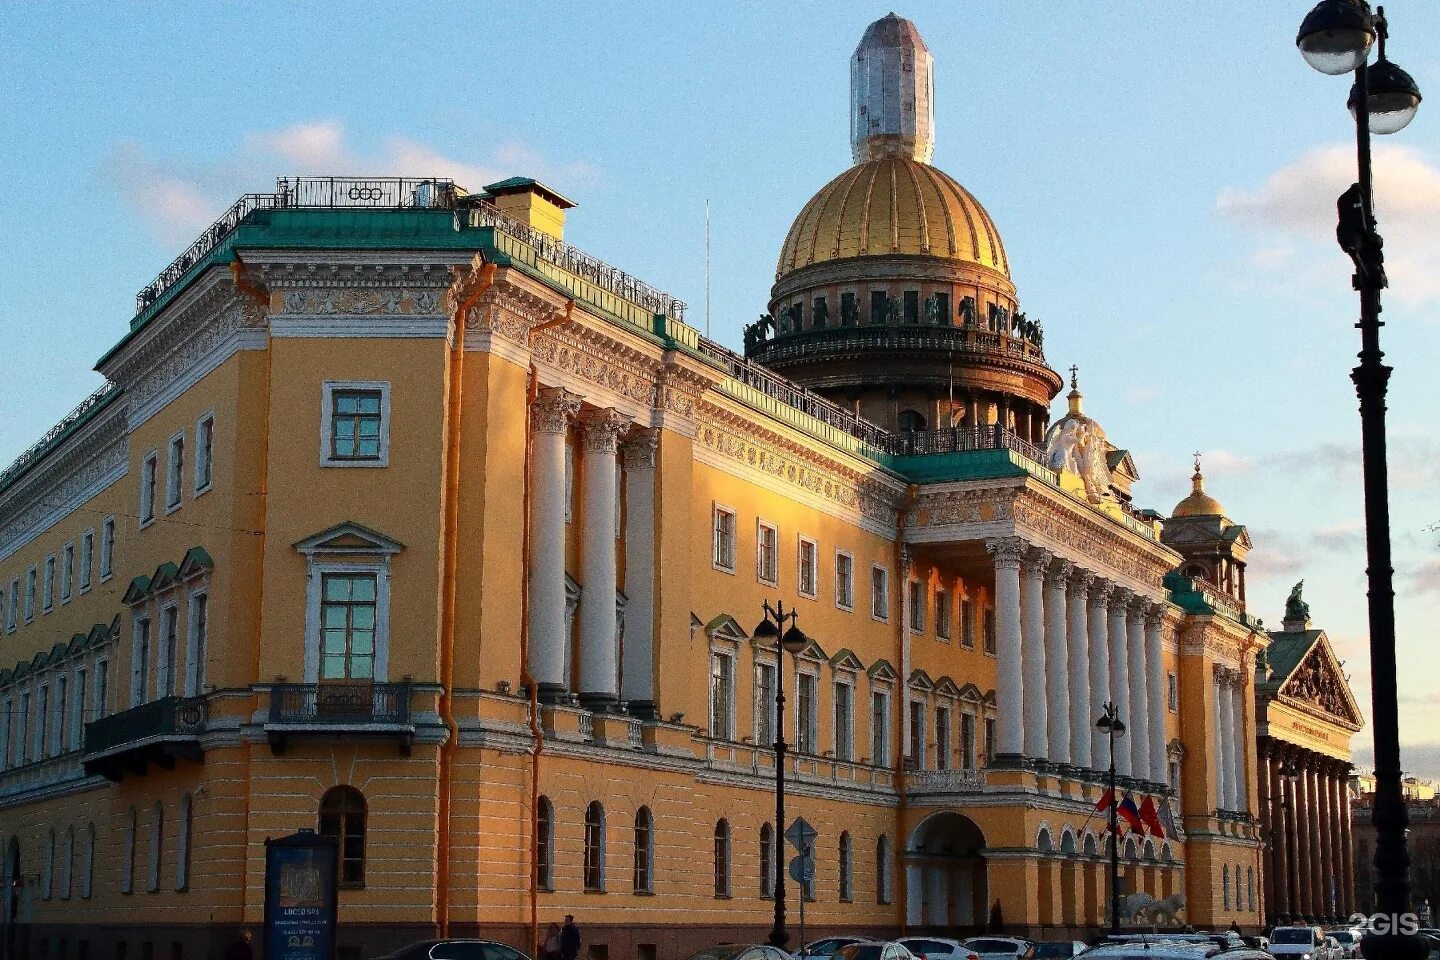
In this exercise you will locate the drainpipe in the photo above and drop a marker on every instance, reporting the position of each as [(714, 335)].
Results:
[(902, 654), (450, 539), (537, 736)]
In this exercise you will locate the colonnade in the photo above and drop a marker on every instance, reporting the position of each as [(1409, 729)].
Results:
[(1231, 785), (602, 665), (1305, 813), (1067, 641)]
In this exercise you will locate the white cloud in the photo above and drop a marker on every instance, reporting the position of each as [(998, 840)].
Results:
[(1297, 203)]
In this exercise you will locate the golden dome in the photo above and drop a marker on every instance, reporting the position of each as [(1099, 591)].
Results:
[(893, 205), (1199, 503)]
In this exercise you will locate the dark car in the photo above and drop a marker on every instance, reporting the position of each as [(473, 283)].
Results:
[(826, 946), (457, 950), (741, 951)]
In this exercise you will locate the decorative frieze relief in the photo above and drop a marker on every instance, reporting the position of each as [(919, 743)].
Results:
[(574, 351), (1090, 541), (963, 506), (384, 301)]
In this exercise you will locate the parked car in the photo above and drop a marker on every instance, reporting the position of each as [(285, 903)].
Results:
[(1057, 949), (826, 946), (1257, 942), (1302, 943), (874, 950), (457, 949), (1242, 953), (741, 951), (938, 948), (1348, 940), (1151, 948), (1000, 948), (1198, 944)]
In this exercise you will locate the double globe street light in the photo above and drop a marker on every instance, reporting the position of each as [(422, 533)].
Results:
[(1335, 38)]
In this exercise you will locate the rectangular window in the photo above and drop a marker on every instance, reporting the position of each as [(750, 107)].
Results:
[(140, 662), (1173, 692), (22, 722), (942, 738), (723, 553), (879, 728), (912, 306), (42, 719), (917, 606), (30, 594), (12, 609), (87, 556), (967, 624), (204, 452), (107, 548), (78, 718), (102, 688), (355, 421), (57, 735), (809, 575), (49, 583), (764, 703), (767, 553), (844, 726), (880, 593), (722, 692), (916, 753), (879, 299), (174, 471), (348, 603), (847, 310), (942, 614), (806, 720), (198, 633), (990, 630), (147, 488), (844, 580), (67, 571), (989, 738), (819, 312), (967, 741), (169, 653)]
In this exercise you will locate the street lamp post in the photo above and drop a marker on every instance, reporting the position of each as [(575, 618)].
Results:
[(792, 641), (1335, 38), (1113, 726)]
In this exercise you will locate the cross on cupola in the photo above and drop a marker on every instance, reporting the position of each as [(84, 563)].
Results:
[(1074, 377)]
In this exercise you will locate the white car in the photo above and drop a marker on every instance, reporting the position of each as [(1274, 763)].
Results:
[(999, 948), (1302, 943), (1348, 939), (938, 948), (1153, 949), (826, 947), (874, 950), (1057, 949)]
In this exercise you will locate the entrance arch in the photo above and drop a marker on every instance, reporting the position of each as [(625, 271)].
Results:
[(945, 873)]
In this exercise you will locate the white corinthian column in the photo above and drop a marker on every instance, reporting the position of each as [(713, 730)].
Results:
[(1155, 693), (599, 662), (1118, 652), (1225, 761), (549, 420), (1057, 662), (1078, 641), (1139, 698), (1009, 678), (1032, 643), (637, 668), (1099, 669)]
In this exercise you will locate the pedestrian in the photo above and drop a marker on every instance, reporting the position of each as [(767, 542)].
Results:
[(569, 939), (1234, 927), (241, 948), (550, 947)]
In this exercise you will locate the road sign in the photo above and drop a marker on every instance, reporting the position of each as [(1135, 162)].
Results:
[(801, 835), (802, 869)]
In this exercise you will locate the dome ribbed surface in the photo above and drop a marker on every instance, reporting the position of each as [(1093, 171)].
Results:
[(893, 205)]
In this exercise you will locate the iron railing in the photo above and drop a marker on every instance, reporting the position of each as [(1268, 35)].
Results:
[(962, 440), (968, 340), (168, 717), (945, 781), (340, 704), (39, 447)]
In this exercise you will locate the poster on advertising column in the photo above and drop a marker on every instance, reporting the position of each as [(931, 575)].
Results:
[(300, 897)]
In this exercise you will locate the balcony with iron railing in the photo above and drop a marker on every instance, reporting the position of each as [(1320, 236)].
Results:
[(340, 709), (950, 781), (159, 732)]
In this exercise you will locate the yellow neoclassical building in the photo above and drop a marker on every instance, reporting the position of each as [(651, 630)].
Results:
[(400, 519)]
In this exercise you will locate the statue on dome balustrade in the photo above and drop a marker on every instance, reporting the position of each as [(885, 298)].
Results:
[(967, 312), (933, 311)]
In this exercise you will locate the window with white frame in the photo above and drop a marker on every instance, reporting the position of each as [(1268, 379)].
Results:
[(87, 558), (844, 718), (846, 867), (917, 606), (722, 695), (355, 424), (942, 613), (30, 579), (594, 874), (147, 487), (107, 548), (844, 580), (67, 571), (204, 453), (942, 738), (967, 741), (348, 606), (49, 582), (139, 661), (1173, 692), (879, 593), (989, 739), (809, 576), (967, 624), (12, 609), (806, 713), (157, 841), (767, 553), (916, 754), (880, 728), (196, 636), (87, 864), (723, 539), (174, 471), (764, 703), (882, 869), (169, 652)]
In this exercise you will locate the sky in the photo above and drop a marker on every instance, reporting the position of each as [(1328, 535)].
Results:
[(1163, 175)]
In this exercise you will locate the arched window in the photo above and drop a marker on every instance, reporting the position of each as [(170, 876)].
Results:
[(1067, 842), (342, 815), (722, 858), (1225, 883), (67, 864), (182, 853), (911, 420), (882, 869), (1091, 848), (595, 846), (1250, 887), (845, 867), (47, 867), (644, 851), (545, 844), (767, 861), (87, 864), (1043, 843), (157, 841), (127, 853)]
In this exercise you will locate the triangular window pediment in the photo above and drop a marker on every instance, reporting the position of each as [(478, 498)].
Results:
[(727, 628), (349, 538), (845, 659), (881, 670), (971, 692), (137, 592), (920, 680), (813, 652), (946, 687), (195, 563)]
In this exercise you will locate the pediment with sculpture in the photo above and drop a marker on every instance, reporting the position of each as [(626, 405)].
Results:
[(1319, 684)]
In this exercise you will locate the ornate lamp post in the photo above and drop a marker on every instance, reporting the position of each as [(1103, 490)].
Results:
[(1335, 38), (1113, 726), (790, 641)]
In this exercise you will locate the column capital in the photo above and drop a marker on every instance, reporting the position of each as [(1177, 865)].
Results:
[(640, 446), (553, 409), (1081, 580), (1154, 612), (1120, 596), (1034, 560), (1100, 590), (1058, 572), (1138, 605), (1006, 551), (603, 429)]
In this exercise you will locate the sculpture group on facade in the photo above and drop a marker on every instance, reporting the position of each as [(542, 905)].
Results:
[(1077, 445), (1315, 683), (1296, 608), (936, 312)]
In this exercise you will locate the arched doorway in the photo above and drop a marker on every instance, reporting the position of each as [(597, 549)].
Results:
[(945, 873)]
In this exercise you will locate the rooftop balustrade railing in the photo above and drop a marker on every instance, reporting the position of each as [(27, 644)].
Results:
[(70, 419)]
